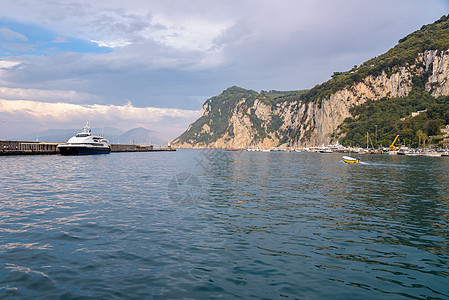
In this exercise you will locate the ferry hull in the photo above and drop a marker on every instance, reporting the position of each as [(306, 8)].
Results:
[(66, 150)]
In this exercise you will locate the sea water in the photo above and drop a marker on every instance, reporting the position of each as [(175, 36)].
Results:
[(207, 224)]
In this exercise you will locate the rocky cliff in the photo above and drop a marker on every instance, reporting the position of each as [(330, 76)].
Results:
[(241, 118), (320, 121), (437, 63)]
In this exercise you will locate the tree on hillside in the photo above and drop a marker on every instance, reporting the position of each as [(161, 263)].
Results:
[(422, 137), (420, 134)]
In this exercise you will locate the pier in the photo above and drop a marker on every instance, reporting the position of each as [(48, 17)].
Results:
[(43, 148), (138, 148), (27, 148)]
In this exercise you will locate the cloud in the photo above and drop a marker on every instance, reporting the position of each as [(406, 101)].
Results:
[(69, 96), (65, 115), (158, 54), (5, 65), (44, 111), (8, 34), (112, 44), (263, 38)]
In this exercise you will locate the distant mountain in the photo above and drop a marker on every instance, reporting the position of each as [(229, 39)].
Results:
[(62, 135), (141, 135), (410, 77)]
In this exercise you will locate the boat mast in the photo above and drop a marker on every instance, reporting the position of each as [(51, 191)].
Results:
[(367, 136)]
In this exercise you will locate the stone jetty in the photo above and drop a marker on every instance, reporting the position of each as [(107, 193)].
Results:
[(36, 148)]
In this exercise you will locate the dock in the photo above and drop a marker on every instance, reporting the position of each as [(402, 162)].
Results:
[(138, 148), (46, 148)]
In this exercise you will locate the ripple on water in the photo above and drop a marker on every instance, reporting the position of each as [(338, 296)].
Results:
[(262, 225)]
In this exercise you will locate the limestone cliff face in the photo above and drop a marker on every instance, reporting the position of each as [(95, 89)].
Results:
[(253, 122), (241, 130), (321, 121), (438, 64)]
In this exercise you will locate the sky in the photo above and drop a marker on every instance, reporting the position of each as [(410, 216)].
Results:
[(153, 63)]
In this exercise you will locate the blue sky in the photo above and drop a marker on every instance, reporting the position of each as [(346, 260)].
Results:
[(154, 63), (19, 39)]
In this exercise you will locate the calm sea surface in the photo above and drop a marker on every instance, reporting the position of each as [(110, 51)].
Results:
[(214, 224)]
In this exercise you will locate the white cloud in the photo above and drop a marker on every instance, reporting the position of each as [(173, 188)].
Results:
[(201, 34), (46, 95), (162, 53), (112, 44), (194, 34), (8, 34), (44, 111), (20, 117), (8, 64)]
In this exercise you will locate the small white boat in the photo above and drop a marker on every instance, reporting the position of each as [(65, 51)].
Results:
[(325, 151), (432, 154), (413, 153)]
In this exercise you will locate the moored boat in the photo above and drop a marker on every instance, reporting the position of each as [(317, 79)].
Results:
[(413, 153), (432, 154), (326, 151), (85, 143)]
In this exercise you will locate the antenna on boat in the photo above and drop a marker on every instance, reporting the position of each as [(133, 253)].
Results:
[(87, 128)]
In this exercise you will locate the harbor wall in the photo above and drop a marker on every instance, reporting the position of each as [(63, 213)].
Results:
[(130, 148), (27, 148), (138, 148), (30, 147)]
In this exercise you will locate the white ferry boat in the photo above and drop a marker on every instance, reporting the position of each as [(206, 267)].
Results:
[(84, 143)]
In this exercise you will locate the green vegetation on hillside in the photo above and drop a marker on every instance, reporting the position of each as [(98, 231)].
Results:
[(385, 113), (430, 37), (221, 107), (393, 116), (388, 112), (220, 112)]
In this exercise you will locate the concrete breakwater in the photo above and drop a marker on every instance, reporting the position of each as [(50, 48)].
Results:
[(27, 148), (36, 148), (138, 148)]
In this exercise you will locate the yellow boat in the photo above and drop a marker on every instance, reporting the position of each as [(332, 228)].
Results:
[(351, 160)]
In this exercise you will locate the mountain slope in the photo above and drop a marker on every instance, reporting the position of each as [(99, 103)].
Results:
[(140, 135), (238, 116), (242, 118)]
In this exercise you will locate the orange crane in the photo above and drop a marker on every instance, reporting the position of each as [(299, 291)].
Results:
[(392, 146)]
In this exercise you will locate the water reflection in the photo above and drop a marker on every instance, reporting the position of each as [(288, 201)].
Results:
[(312, 206)]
